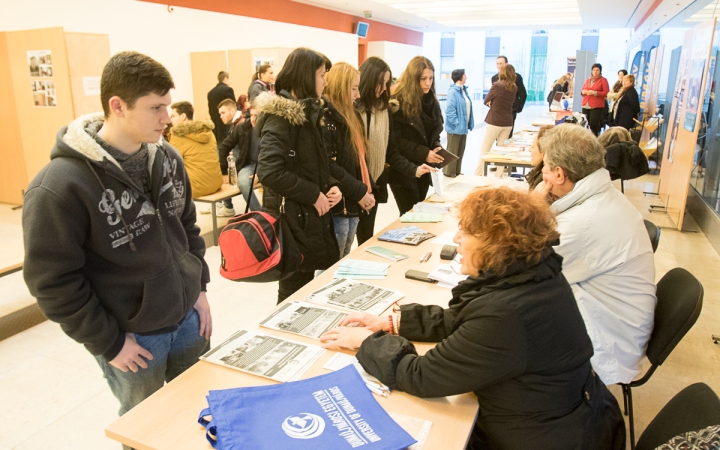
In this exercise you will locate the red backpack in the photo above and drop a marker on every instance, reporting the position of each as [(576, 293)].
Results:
[(258, 247)]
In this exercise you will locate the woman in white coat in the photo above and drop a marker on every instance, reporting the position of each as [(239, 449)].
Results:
[(607, 255)]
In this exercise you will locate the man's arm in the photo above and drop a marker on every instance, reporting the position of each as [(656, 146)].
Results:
[(227, 146), (521, 96), (55, 231)]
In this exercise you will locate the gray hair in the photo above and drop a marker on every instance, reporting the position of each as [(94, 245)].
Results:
[(614, 135), (573, 148)]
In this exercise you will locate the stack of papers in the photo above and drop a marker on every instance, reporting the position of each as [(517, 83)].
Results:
[(365, 270), (447, 275), (411, 235), (386, 253), (355, 296), (434, 208), (421, 217)]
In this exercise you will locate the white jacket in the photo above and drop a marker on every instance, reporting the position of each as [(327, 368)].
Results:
[(608, 261)]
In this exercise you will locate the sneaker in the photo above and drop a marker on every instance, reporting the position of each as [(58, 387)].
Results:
[(205, 210), (222, 211)]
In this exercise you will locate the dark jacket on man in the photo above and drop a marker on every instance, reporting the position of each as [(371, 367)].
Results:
[(519, 343), (240, 138), (520, 94), (294, 167), (220, 92), (336, 135), (414, 142), (102, 257), (627, 109)]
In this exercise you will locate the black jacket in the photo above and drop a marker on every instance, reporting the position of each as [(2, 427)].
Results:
[(256, 88), (336, 136), (412, 140), (520, 95), (293, 165), (220, 92), (626, 161), (239, 137), (519, 343), (78, 261), (627, 109)]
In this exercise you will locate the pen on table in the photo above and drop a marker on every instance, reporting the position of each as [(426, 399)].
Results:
[(426, 257), (376, 389)]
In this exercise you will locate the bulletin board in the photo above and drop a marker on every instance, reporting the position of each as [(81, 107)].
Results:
[(684, 123)]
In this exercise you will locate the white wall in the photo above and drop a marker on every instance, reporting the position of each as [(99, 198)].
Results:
[(396, 55), (515, 46), (470, 55), (611, 52), (170, 37), (431, 50), (561, 45)]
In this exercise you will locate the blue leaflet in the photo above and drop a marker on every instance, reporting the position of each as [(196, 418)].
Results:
[(333, 411)]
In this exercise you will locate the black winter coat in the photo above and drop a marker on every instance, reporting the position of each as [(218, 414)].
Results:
[(336, 135), (296, 171), (412, 140), (626, 161), (519, 343), (628, 108), (238, 137)]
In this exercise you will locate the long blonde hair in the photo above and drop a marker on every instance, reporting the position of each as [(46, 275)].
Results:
[(340, 80), (507, 74), (408, 91)]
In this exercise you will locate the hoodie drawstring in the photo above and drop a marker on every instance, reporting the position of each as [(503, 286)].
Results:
[(117, 207)]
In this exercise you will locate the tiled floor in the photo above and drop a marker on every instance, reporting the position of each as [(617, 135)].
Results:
[(53, 395)]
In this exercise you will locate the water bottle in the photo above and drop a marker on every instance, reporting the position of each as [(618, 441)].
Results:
[(232, 170)]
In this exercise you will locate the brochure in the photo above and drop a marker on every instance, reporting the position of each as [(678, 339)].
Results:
[(355, 296), (421, 217), (359, 269), (386, 253), (410, 235), (304, 319), (263, 355)]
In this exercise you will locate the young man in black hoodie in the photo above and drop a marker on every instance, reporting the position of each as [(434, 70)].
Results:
[(112, 252)]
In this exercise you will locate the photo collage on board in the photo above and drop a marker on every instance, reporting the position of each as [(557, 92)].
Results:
[(41, 72)]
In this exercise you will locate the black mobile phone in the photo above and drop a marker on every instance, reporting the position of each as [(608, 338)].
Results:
[(419, 276)]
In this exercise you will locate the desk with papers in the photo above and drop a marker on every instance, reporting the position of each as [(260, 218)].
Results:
[(168, 419), (515, 152)]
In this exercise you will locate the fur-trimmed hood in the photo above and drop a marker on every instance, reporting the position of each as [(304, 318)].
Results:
[(393, 105), (283, 105), (197, 130), (74, 141)]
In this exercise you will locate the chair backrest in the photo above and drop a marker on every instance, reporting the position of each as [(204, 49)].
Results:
[(692, 409), (679, 302), (654, 233)]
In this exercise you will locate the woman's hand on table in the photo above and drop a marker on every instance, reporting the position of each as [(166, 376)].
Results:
[(365, 320), (345, 337)]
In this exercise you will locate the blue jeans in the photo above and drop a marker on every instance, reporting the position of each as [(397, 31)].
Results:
[(345, 229), (245, 184), (173, 353)]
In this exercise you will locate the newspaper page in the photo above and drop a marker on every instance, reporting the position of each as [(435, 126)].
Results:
[(304, 319), (263, 355), (355, 296)]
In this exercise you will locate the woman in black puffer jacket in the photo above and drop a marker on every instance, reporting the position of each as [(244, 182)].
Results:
[(346, 145), (294, 167)]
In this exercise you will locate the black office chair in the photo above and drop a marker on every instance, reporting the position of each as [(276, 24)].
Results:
[(679, 302), (692, 409), (654, 233)]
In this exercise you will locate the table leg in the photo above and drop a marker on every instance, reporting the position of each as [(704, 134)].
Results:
[(213, 210)]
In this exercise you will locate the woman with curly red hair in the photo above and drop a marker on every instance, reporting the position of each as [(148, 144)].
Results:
[(512, 334)]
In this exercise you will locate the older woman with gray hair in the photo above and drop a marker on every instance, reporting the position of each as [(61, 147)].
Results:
[(607, 256)]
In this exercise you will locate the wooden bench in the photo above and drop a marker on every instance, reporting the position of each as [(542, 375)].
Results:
[(225, 192)]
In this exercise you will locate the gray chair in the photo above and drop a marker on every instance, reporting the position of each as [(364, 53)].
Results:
[(654, 233), (692, 409), (679, 302)]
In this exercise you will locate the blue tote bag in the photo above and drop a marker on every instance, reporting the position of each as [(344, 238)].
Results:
[(332, 411)]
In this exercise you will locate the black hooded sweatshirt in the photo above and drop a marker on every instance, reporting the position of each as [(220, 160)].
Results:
[(101, 257)]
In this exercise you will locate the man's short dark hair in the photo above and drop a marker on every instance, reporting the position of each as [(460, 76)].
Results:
[(184, 108), (131, 75), (598, 65), (298, 72), (457, 75), (222, 75), (503, 57), (228, 102)]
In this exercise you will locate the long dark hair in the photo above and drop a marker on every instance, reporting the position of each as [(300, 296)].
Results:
[(372, 74), (298, 73), (261, 70)]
